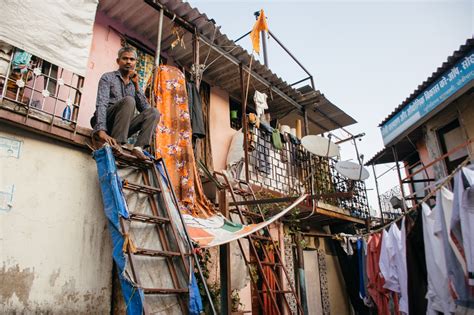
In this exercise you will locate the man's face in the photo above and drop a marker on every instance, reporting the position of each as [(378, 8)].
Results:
[(127, 61)]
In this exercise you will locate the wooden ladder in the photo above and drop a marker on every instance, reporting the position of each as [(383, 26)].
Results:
[(178, 260), (265, 255)]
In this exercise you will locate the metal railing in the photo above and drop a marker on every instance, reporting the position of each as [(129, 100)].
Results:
[(38, 88), (386, 202), (293, 170)]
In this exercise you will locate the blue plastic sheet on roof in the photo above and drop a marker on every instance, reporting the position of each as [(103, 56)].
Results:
[(114, 208)]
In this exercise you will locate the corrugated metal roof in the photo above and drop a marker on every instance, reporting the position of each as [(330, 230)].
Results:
[(223, 58), (455, 57)]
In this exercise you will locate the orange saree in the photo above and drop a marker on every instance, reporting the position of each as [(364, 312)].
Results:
[(173, 141)]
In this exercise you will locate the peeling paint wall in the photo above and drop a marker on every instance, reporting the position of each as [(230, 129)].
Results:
[(55, 251)]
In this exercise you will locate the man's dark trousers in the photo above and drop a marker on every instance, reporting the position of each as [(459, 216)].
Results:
[(121, 122)]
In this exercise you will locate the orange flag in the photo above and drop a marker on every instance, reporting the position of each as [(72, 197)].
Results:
[(260, 25)]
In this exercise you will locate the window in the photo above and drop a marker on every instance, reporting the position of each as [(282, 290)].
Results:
[(451, 136), (235, 114)]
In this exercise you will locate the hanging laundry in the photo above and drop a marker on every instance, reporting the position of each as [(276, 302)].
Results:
[(457, 281), (21, 60), (195, 110), (346, 240), (276, 139), (361, 256), (375, 286), (462, 221), (416, 265), (261, 105), (393, 263), (350, 271), (173, 141), (438, 295)]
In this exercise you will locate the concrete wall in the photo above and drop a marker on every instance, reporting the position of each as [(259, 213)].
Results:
[(55, 250)]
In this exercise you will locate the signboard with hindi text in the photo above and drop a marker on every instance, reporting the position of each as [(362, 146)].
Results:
[(458, 76)]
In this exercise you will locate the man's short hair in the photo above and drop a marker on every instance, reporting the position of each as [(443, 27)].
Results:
[(126, 49)]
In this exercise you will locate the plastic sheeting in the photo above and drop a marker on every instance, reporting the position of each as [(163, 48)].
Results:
[(57, 31), (114, 208)]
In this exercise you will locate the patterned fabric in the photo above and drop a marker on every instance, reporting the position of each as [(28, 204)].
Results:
[(324, 282), (111, 89), (290, 266), (144, 68), (173, 141), (203, 146)]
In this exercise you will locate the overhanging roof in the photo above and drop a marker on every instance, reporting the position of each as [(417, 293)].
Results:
[(223, 57)]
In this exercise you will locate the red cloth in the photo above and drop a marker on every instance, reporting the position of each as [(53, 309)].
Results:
[(269, 307), (377, 292)]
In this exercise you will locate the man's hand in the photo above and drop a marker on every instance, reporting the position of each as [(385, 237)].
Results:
[(103, 136), (134, 77)]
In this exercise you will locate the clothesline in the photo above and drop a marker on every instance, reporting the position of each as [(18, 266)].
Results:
[(412, 209)]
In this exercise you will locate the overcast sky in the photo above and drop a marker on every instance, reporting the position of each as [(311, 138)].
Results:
[(366, 56)]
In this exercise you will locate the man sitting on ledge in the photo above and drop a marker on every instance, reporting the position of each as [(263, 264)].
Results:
[(117, 97)]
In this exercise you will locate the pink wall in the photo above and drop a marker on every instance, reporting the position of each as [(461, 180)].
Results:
[(425, 156), (105, 44), (219, 127)]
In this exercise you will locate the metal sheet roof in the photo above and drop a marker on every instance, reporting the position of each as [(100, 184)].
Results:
[(223, 57), (455, 57)]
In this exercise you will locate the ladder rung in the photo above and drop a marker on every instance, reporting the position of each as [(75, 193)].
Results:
[(275, 291), (147, 218), (260, 237), (152, 252), (242, 192), (141, 188), (163, 291), (266, 263), (128, 158)]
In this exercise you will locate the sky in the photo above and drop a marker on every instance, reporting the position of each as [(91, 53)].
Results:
[(366, 57)]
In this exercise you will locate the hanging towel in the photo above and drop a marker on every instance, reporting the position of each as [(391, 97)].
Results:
[(276, 139), (260, 100)]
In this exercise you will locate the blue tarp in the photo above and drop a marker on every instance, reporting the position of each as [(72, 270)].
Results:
[(114, 208)]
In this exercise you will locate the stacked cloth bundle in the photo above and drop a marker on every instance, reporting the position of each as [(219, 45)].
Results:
[(422, 264)]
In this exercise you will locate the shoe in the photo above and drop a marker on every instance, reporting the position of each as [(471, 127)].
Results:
[(138, 153)]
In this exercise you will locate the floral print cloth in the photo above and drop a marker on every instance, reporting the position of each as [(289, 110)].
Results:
[(173, 141)]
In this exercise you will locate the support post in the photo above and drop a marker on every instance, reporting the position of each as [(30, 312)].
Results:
[(157, 55), (264, 46), (224, 262), (402, 190), (306, 124), (301, 276), (244, 121), (378, 193)]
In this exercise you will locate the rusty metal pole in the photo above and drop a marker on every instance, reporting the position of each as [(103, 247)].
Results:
[(395, 155), (244, 121), (224, 262)]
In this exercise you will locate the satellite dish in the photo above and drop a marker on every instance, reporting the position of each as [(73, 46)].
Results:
[(352, 170), (320, 146)]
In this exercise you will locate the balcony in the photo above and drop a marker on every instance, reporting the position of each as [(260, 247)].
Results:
[(40, 96), (288, 171)]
